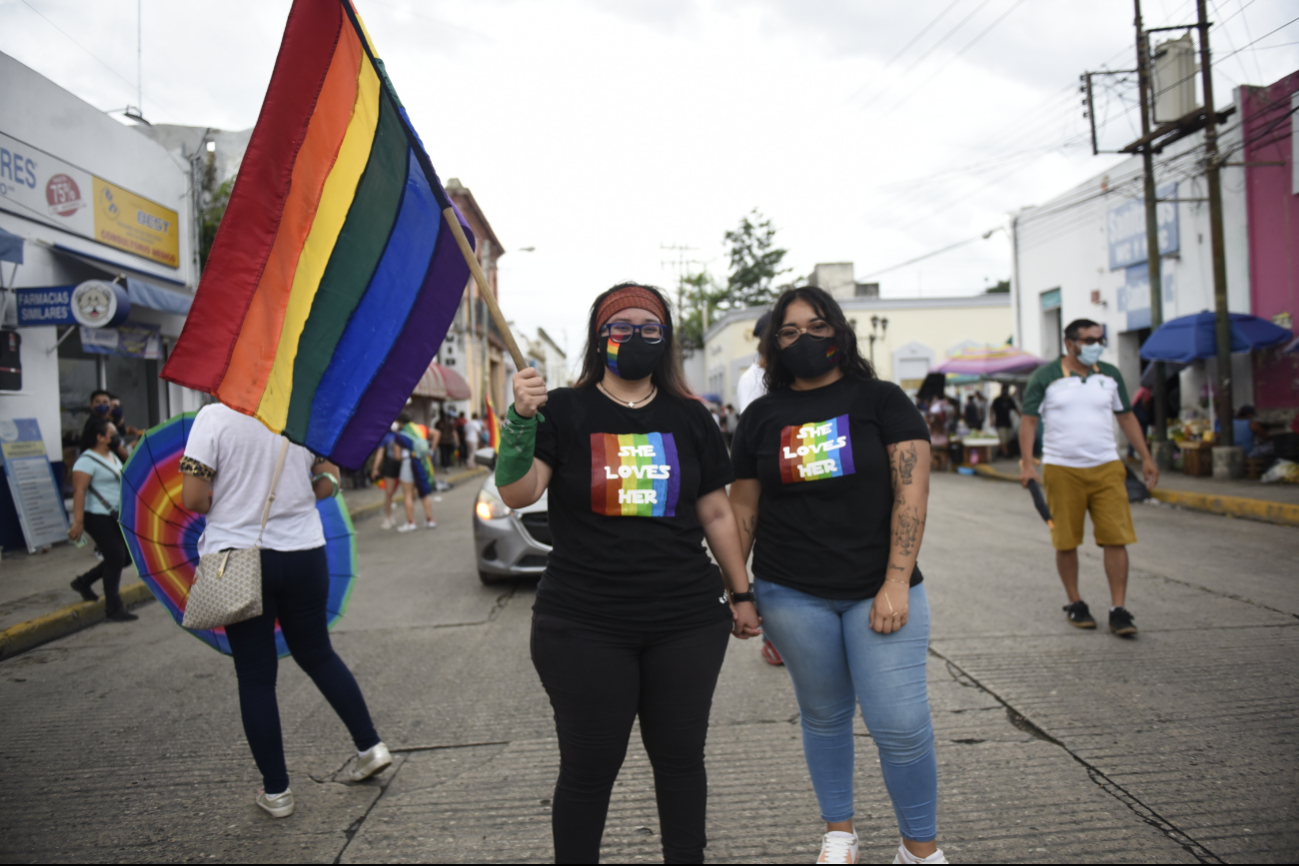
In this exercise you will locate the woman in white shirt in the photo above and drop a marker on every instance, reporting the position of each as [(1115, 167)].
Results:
[(96, 497), (228, 466)]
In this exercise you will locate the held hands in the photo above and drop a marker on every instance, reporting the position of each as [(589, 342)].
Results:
[(889, 612), (529, 392), (747, 622)]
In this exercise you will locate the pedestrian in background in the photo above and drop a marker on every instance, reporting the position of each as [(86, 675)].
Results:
[(1002, 408), (473, 438), (387, 464), (631, 619), (446, 439), (462, 439), (751, 386), (832, 481), (96, 498), (1078, 398), (101, 406), (229, 462)]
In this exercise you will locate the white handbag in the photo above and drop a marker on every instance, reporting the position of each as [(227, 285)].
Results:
[(227, 584)]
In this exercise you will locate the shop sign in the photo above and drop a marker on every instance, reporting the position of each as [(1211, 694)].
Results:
[(129, 340), (31, 482), (1134, 294), (39, 185), (92, 304), (1125, 227)]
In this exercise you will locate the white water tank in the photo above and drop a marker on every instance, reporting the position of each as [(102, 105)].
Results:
[(1174, 79)]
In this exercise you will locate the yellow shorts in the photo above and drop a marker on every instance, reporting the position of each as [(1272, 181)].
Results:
[(1071, 493)]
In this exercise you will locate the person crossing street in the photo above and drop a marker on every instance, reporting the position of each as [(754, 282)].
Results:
[(1078, 397)]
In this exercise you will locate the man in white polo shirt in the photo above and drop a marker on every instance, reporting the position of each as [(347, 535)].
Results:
[(1078, 398)]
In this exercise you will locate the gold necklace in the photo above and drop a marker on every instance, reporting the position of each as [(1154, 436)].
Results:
[(630, 403)]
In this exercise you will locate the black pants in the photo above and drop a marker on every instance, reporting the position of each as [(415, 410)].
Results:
[(295, 588), (108, 538), (598, 683), (448, 453)]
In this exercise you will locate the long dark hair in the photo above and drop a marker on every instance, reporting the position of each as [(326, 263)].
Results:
[(96, 426), (667, 376), (850, 358)]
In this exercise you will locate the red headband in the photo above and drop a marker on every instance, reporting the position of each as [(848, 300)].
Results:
[(625, 299)]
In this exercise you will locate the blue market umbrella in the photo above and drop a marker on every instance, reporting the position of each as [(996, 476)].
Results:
[(1188, 338)]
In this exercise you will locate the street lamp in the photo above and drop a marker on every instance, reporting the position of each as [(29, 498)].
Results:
[(879, 327)]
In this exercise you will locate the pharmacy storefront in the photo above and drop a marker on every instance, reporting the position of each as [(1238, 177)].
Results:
[(97, 267)]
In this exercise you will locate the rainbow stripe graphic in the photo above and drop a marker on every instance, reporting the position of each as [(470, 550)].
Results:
[(816, 451), (611, 354), (635, 474), (333, 278)]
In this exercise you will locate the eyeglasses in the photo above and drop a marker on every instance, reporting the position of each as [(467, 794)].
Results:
[(1092, 341), (620, 332), (819, 330)]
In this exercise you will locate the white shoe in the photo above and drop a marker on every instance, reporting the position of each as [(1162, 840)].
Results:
[(905, 856), (838, 847), (431, 524), (278, 805), (407, 527), (387, 523), (376, 759)]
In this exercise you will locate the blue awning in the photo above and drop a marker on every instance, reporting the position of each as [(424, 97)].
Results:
[(157, 298), (11, 247)]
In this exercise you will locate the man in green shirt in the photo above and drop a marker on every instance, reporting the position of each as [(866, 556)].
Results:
[(1078, 397)]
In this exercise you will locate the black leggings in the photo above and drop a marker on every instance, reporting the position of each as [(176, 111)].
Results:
[(108, 538), (598, 682), (295, 588)]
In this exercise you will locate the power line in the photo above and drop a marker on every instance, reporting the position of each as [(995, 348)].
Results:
[(922, 32), (930, 255)]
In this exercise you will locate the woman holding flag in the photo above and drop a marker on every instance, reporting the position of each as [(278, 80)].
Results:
[(631, 616)]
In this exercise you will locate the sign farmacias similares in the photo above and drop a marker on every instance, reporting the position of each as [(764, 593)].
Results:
[(38, 185)]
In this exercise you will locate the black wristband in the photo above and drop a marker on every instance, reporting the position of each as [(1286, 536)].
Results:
[(737, 597)]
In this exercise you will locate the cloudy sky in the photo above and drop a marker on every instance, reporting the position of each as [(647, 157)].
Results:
[(601, 132)]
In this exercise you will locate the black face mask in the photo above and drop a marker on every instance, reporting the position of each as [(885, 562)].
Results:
[(634, 359), (116, 413), (807, 358), (114, 443)]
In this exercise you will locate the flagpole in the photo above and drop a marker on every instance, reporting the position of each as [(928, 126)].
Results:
[(449, 214)]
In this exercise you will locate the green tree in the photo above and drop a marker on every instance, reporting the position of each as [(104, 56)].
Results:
[(700, 298), (755, 263), (1002, 288), (213, 210)]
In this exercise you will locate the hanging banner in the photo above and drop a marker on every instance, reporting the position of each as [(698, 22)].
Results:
[(39, 185), (1125, 227), (31, 483), (129, 340)]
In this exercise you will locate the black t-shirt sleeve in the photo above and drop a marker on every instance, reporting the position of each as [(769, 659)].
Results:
[(899, 419), (743, 457), (714, 462), (548, 432)]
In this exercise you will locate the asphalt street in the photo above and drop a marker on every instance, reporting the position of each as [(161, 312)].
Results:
[(123, 743)]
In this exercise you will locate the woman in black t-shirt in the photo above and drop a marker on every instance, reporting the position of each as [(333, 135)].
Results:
[(832, 479), (631, 615)]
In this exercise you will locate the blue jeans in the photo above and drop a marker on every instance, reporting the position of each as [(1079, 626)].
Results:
[(837, 661)]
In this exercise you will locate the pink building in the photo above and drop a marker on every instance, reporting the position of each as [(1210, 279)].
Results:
[(1272, 204)]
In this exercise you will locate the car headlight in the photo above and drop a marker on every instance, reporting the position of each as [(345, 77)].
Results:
[(489, 506)]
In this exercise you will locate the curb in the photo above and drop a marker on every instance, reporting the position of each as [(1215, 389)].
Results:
[(375, 507), (1263, 510), (64, 621)]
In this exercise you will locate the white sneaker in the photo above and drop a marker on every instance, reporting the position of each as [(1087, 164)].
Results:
[(387, 523), (431, 524), (838, 847), (278, 805), (374, 760), (407, 527), (905, 856)]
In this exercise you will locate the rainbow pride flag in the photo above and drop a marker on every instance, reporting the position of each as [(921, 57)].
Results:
[(812, 452), (333, 278), (493, 427), (635, 474)]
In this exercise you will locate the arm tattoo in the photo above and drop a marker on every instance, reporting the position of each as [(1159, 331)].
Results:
[(910, 525), (750, 525), (907, 461)]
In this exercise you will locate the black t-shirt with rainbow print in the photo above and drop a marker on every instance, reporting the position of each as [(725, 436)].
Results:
[(827, 499), (628, 546)]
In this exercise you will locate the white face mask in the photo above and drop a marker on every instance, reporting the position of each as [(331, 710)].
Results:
[(395, 427), (1089, 355)]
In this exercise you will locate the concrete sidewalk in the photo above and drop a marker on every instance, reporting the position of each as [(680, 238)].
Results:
[(37, 605), (1248, 500)]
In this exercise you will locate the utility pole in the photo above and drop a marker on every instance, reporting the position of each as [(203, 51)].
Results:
[(1218, 246), (1154, 261)]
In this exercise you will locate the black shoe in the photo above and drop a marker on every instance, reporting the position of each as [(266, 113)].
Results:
[(1121, 622), (121, 615), (87, 593), (1079, 615)]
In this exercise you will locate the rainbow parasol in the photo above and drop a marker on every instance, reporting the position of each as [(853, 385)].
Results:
[(163, 535)]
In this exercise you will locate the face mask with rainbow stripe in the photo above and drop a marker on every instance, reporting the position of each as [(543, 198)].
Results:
[(816, 451)]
